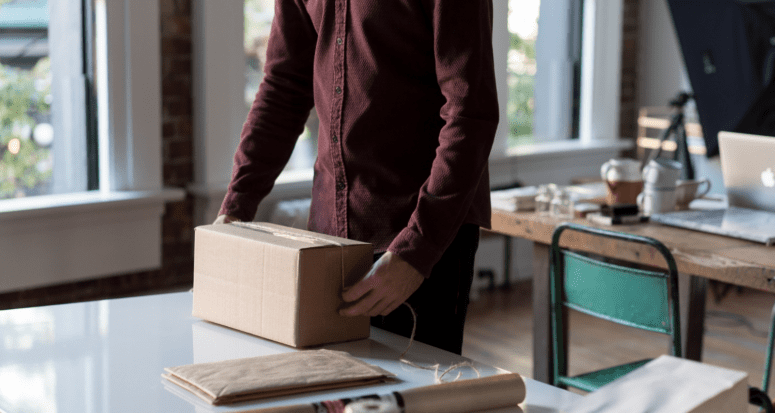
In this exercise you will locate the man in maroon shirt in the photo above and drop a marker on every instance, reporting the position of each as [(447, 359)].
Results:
[(406, 96)]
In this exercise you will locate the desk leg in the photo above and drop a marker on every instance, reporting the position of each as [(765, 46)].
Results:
[(542, 332), (692, 291)]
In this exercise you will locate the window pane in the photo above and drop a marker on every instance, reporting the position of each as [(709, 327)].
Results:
[(26, 131), (523, 32), (43, 110), (258, 21)]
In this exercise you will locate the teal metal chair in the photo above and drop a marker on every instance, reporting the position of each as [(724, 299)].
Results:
[(756, 396), (633, 297)]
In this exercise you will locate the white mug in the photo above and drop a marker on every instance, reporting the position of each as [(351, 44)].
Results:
[(656, 200), (687, 191), (662, 173)]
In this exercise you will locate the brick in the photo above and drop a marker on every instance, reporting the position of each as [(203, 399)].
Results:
[(176, 26), (175, 46)]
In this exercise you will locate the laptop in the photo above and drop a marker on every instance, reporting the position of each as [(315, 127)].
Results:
[(748, 167)]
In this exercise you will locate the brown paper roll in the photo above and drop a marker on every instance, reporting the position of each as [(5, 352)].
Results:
[(465, 396), (301, 408)]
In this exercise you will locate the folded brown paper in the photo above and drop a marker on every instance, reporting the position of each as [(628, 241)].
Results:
[(239, 380)]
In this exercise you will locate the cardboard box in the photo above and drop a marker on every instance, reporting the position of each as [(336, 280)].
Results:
[(279, 283)]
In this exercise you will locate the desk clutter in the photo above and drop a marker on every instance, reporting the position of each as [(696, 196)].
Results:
[(628, 194), (307, 371)]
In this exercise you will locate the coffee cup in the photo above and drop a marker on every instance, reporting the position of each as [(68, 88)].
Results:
[(689, 190), (662, 173), (656, 200), (623, 179)]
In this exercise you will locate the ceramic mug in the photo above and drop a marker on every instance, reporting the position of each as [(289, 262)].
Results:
[(656, 200), (687, 191), (662, 173), (623, 179)]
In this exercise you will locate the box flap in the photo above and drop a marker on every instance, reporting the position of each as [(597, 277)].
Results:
[(278, 235)]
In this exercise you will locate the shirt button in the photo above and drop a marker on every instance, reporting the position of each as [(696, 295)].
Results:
[(335, 139), (340, 185), (339, 40), (338, 90)]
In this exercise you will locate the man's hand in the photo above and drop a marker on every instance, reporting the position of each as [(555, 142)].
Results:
[(388, 284), (225, 219)]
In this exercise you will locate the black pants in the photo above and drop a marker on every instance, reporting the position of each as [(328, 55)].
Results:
[(442, 299)]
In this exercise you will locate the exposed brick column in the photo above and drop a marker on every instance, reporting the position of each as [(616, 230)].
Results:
[(628, 115), (176, 272), (177, 138)]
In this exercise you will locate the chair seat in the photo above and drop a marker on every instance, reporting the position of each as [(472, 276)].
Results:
[(596, 379)]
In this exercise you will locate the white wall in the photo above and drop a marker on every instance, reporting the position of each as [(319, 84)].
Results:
[(661, 72)]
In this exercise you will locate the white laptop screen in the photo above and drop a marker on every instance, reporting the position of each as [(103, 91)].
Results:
[(748, 166)]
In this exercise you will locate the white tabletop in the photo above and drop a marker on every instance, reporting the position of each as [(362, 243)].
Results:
[(108, 356)]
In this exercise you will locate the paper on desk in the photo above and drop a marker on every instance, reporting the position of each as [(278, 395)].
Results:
[(238, 380), (670, 385)]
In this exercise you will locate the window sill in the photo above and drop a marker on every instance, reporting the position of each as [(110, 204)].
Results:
[(55, 239), (556, 161), (567, 147), (93, 201)]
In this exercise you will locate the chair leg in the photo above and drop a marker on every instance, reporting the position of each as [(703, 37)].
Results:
[(768, 357), (760, 398)]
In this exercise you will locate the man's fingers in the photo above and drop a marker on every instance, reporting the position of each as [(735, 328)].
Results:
[(357, 291), (360, 307), (379, 308), (392, 307)]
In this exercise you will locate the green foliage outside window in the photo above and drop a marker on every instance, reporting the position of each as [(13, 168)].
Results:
[(25, 103), (521, 85)]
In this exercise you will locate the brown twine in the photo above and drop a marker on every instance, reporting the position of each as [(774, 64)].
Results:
[(435, 368)]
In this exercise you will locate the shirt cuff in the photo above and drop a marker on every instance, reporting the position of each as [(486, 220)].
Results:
[(416, 250), (241, 206)]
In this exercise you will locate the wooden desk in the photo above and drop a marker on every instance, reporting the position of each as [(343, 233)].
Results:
[(108, 356), (699, 256)]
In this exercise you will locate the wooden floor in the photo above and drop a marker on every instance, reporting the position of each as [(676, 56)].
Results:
[(499, 332)]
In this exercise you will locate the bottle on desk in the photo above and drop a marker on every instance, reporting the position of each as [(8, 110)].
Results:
[(543, 200)]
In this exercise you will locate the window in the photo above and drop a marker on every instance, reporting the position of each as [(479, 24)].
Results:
[(44, 139), (543, 72), (71, 233), (258, 22)]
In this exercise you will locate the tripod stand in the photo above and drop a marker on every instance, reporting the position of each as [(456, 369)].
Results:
[(676, 127)]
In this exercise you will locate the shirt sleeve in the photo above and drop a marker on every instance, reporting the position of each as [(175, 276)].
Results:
[(466, 76), (278, 113)]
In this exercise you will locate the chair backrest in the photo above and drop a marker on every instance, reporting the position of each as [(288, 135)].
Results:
[(645, 299)]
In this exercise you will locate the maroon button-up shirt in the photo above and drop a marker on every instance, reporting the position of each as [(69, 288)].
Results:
[(405, 91)]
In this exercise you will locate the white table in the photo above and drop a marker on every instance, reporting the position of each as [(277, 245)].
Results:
[(108, 356)]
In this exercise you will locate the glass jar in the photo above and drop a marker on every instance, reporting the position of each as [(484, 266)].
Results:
[(543, 199), (561, 206)]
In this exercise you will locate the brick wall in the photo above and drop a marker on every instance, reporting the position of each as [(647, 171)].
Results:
[(628, 116), (177, 223)]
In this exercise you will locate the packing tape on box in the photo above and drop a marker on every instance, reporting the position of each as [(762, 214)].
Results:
[(296, 237)]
